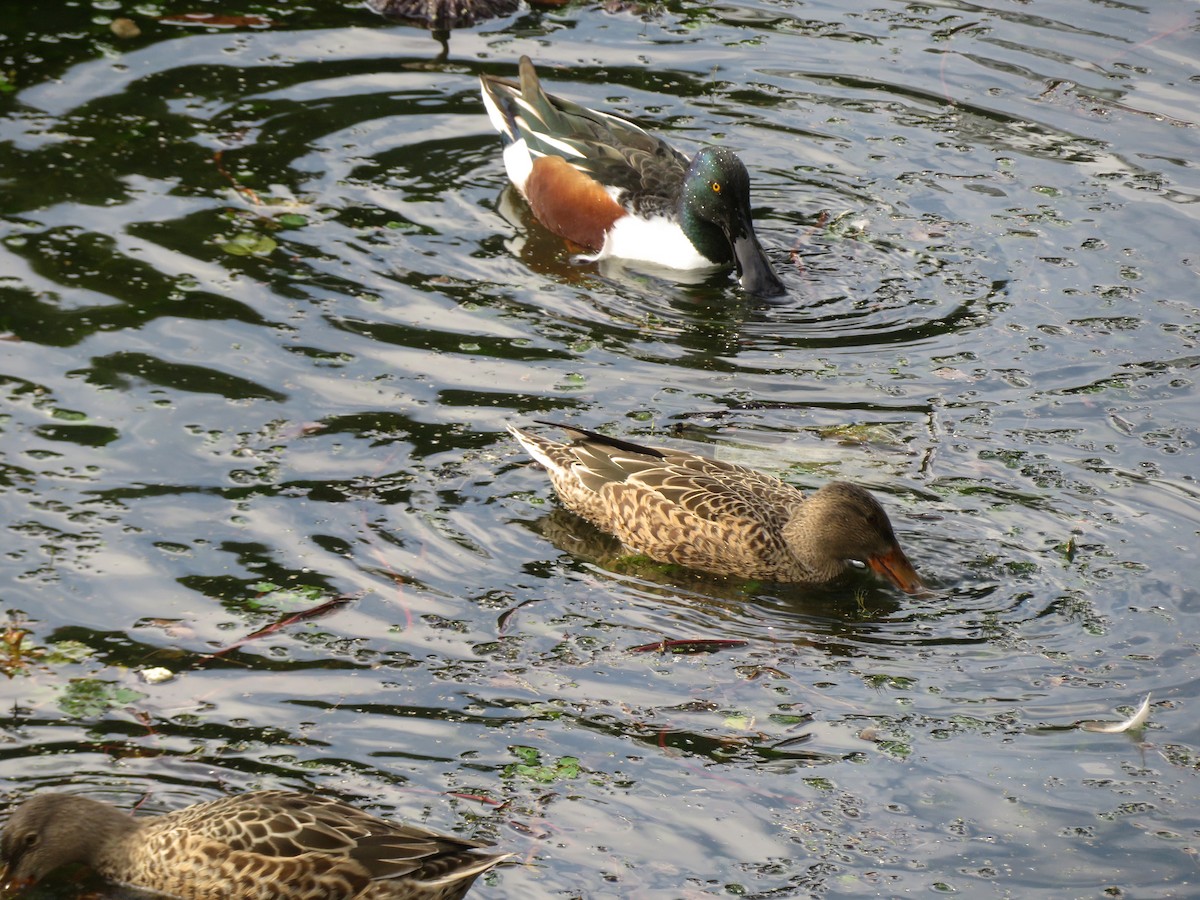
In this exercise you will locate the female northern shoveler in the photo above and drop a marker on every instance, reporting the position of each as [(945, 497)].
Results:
[(266, 844), (604, 183), (719, 517)]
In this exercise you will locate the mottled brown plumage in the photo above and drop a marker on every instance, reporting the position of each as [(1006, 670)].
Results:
[(719, 517), (268, 845)]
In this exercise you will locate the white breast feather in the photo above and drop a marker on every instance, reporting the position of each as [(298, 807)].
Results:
[(656, 240)]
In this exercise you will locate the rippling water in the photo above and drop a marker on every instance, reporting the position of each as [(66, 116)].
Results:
[(987, 220)]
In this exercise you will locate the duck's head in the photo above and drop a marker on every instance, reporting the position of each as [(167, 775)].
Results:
[(50, 831), (716, 215), (841, 524)]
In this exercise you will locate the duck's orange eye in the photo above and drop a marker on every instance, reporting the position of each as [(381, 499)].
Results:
[(716, 186)]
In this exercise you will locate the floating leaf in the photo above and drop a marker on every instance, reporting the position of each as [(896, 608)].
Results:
[(292, 220), (272, 596), (86, 698), (247, 243), (62, 652), (751, 673), (898, 749), (532, 767), (406, 227), (857, 433), (693, 645)]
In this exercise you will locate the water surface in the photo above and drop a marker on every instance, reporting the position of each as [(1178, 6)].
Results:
[(987, 219)]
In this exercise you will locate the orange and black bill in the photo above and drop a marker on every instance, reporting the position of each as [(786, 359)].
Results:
[(895, 567)]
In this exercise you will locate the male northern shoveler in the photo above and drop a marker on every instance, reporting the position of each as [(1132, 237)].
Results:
[(266, 844), (604, 183), (719, 517)]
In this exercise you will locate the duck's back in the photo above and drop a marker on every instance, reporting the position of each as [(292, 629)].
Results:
[(681, 508), (644, 172), (276, 845)]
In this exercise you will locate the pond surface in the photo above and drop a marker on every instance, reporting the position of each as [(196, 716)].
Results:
[(268, 307)]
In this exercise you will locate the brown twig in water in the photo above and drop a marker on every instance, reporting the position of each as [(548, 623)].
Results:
[(315, 612)]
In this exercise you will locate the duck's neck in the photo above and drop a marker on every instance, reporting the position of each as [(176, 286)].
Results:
[(98, 827), (709, 240), (807, 537), (819, 566)]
